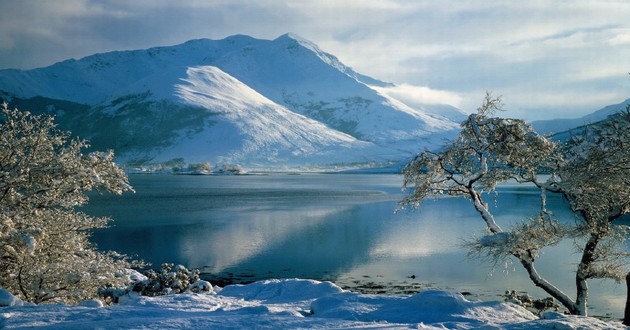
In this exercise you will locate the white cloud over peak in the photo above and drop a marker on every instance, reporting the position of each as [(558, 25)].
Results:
[(419, 95)]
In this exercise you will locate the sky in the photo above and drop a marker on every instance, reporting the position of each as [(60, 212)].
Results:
[(546, 59)]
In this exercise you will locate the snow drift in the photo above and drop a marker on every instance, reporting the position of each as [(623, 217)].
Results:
[(292, 304)]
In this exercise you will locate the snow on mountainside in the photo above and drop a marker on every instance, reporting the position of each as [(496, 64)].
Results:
[(265, 128), (560, 125), (239, 100), (317, 85)]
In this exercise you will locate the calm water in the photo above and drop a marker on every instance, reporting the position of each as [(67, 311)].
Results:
[(338, 227)]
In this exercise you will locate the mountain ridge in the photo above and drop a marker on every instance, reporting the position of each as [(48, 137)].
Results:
[(554, 126), (259, 103)]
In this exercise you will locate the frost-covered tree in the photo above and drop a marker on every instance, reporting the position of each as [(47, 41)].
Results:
[(591, 171), (45, 255)]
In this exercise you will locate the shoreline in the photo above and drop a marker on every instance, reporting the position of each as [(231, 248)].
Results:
[(380, 286)]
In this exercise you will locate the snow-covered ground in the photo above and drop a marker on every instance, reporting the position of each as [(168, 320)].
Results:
[(289, 304)]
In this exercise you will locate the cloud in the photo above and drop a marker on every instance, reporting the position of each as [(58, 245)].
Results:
[(419, 95)]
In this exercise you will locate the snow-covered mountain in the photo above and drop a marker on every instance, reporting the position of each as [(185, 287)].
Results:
[(279, 104), (561, 125)]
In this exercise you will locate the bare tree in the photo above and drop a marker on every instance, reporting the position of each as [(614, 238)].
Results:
[(591, 171), (45, 255)]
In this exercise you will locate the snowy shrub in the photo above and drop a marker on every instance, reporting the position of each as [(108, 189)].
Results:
[(538, 306), (590, 171), (171, 280), (112, 294), (45, 255)]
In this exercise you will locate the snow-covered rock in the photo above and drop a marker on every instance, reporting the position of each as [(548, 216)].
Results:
[(201, 286), (8, 299), (135, 276), (94, 303)]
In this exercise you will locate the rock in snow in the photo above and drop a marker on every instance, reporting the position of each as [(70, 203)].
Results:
[(8, 299), (293, 304)]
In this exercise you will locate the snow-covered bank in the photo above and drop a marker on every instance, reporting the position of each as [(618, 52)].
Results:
[(292, 304)]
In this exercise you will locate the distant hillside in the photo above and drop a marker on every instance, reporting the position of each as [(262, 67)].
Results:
[(580, 130), (560, 125)]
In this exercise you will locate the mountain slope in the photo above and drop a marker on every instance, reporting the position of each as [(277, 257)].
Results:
[(259, 103), (589, 130), (317, 85), (95, 78), (560, 125), (266, 131)]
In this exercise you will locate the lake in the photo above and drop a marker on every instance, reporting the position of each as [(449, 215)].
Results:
[(337, 227)]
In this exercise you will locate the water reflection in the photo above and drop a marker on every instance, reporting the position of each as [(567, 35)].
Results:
[(334, 227)]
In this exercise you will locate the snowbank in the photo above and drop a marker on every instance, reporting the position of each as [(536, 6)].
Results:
[(7, 299), (293, 304)]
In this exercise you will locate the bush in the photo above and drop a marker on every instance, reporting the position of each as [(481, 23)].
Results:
[(45, 254), (171, 280)]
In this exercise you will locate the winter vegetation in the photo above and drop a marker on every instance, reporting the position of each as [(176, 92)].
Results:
[(45, 255), (590, 170), (171, 279)]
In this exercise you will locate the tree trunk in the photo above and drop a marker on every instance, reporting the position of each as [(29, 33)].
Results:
[(548, 287), (581, 301), (582, 273), (626, 313), (482, 208)]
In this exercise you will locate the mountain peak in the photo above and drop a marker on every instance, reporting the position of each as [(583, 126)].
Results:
[(240, 39), (292, 37), (292, 41)]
